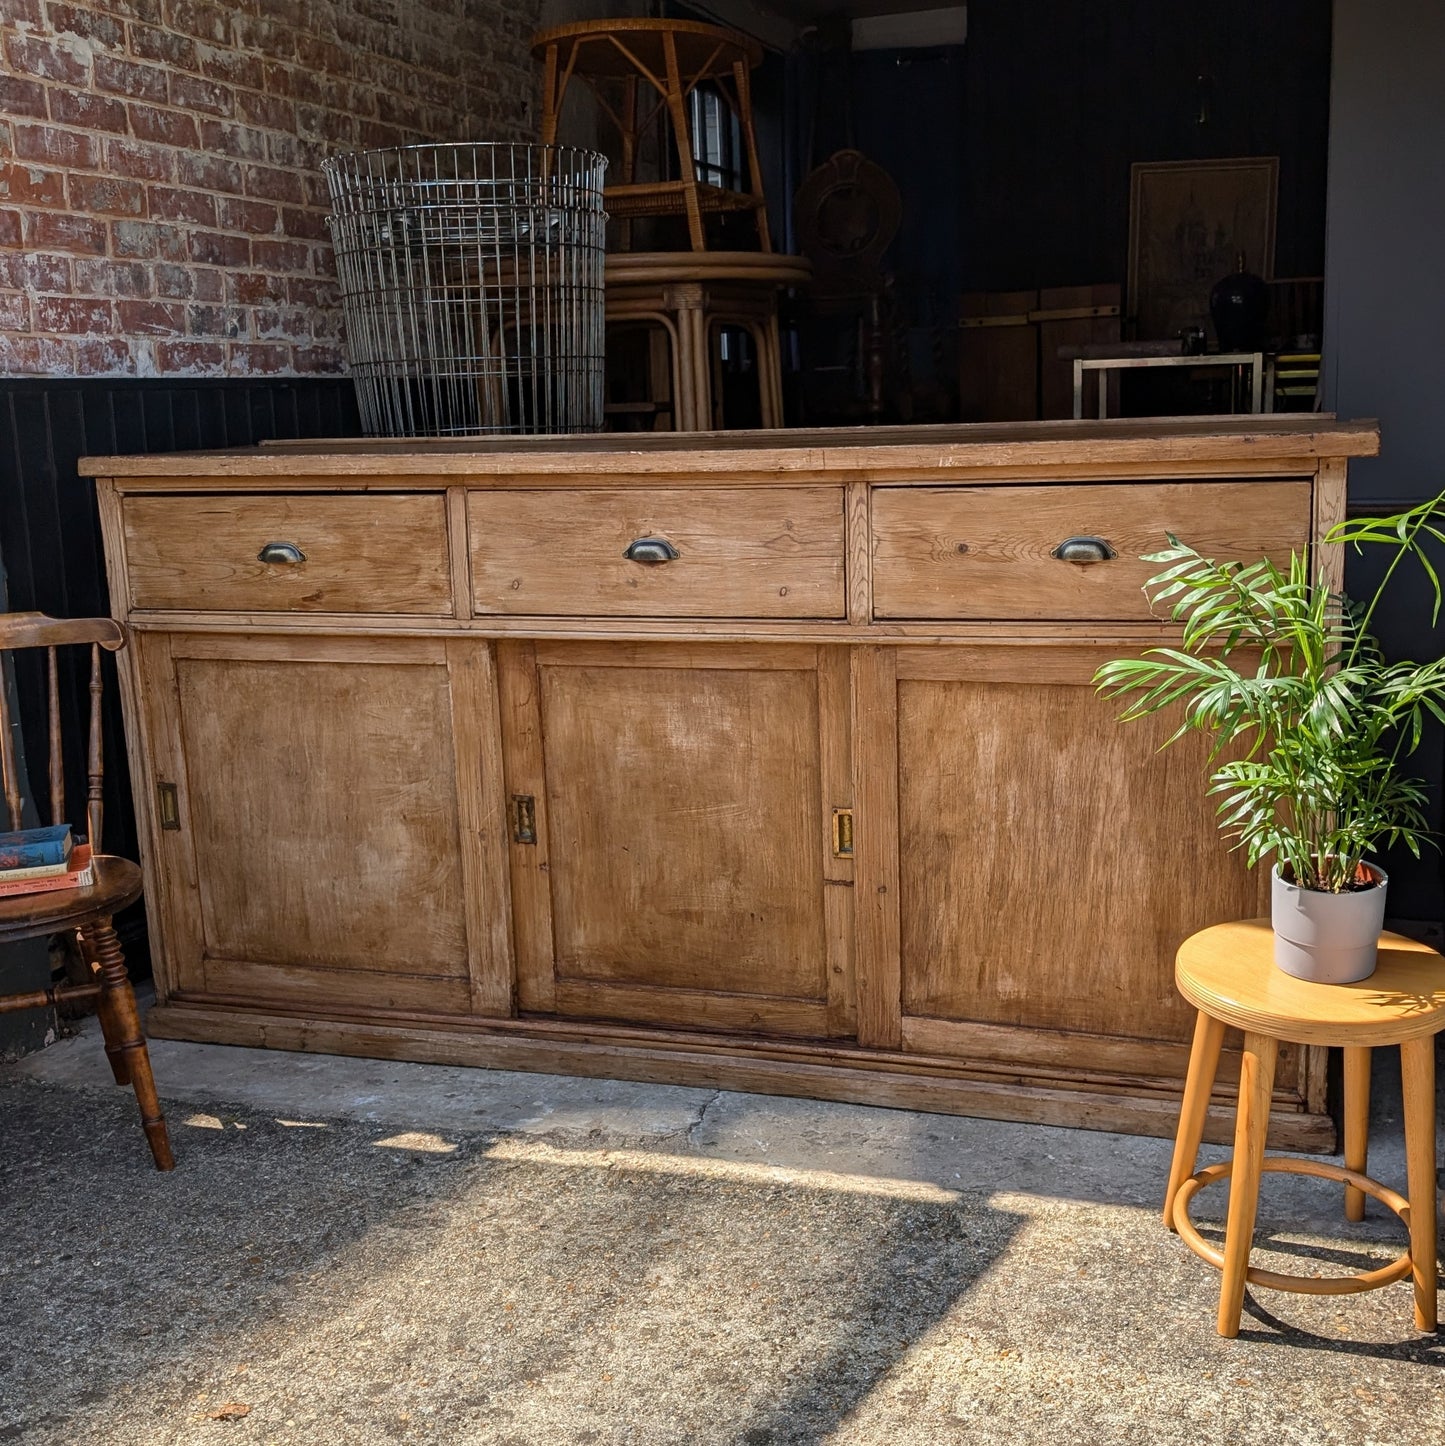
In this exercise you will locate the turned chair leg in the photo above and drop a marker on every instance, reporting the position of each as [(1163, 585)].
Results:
[(1203, 1066), (1357, 1124), (124, 1043), (1417, 1071), (1256, 1086), (110, 1026)]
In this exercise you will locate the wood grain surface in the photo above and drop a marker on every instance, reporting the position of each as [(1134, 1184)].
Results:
[(1035, 828), (876, 845), (684, 810), (1147, 447), (1228, 971), (322, 795), (389, 556), (973, 552), (740, 554), (34, 916), (529, 860), (476, 734)]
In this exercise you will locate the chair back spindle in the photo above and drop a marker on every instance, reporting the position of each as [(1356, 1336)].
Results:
[(35, 630), (9, 774), (57, 763), (96, 770)]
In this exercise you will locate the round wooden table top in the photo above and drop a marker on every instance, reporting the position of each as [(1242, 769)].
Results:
[(1229, 972), (703, 51), (31, 916)]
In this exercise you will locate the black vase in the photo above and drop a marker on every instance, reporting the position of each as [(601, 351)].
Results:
[(1238, 305)]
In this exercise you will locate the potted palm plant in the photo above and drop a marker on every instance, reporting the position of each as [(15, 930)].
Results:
[(1309, 725)]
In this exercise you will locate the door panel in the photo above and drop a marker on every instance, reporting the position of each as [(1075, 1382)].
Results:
[(319, 786), (686, 829), (1052, 859)]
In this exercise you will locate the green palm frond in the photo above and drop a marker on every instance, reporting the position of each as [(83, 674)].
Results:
[(1284, 675)]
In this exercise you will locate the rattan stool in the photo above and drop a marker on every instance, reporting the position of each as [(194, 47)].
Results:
[(672, 61), (688, 296), (1228, 974)]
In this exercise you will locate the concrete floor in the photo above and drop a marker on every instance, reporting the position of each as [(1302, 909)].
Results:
[(354, 1251)]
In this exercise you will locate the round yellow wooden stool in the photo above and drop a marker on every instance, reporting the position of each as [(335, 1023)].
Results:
[(1228, 974)]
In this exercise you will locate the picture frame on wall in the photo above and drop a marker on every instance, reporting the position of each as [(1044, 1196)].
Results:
[(1188, 221)]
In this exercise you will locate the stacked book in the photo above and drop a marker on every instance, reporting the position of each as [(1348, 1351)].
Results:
[(37, 860)]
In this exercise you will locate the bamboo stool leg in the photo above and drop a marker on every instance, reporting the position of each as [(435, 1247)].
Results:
[(742, 80), (551, 100), (694, 362), (676, 98), (1357, 1124), (118, 998), (1417, 1070), (1203, 1066), (1256, 1085), (767, 345)]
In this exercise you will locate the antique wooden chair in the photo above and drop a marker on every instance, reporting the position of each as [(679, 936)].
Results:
[(84, 912)]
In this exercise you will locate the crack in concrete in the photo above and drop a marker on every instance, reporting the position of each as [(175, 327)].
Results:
[(692, 1129)]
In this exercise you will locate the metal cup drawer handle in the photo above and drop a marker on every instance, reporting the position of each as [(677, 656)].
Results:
[(651, 551), (281, 553), (1083, 549)]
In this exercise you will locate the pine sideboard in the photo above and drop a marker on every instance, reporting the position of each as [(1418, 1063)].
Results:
[(765, 761)]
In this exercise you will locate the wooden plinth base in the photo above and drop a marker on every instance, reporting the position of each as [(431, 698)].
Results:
[(832, 1072)]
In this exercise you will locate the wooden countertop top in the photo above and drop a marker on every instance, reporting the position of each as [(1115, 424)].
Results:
[(879, 452)]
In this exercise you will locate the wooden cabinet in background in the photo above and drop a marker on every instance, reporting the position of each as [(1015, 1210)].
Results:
[(811, 794), (1010, 366)]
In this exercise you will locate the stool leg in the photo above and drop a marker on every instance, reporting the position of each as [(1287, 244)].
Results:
[(1357, 1124), (1256, 1085), (1417, 1070), (1203, 1066)]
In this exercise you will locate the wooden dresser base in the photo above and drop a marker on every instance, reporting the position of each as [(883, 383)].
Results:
[(845, 1074), (760, 761)]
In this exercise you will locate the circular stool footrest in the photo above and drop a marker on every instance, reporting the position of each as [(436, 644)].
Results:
[(1397, 1269)]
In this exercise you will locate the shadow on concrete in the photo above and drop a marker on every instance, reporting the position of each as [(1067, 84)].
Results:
[(1419, 1350), (349, 1284), (1374, 1247)]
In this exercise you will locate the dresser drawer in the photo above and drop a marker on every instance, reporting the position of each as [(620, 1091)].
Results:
[(989, 552), (374, 553), (748, 552)]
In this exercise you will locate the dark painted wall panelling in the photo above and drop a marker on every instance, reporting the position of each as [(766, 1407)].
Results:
[(1013, 152), (1060, 99), (1385, 313)]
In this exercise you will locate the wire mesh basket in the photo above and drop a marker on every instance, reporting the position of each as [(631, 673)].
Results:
[(471, 286)]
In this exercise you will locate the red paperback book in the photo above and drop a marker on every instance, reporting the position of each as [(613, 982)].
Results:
[(80, 874)]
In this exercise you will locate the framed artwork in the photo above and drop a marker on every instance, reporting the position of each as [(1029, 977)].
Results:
[(1187, 222)]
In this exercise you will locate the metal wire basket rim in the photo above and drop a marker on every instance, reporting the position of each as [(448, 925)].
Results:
[(593, 159)]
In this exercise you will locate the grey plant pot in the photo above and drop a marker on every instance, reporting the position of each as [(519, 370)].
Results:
[(1327, 938)]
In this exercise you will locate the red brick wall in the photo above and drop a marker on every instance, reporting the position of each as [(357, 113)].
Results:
[(161, 202)]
